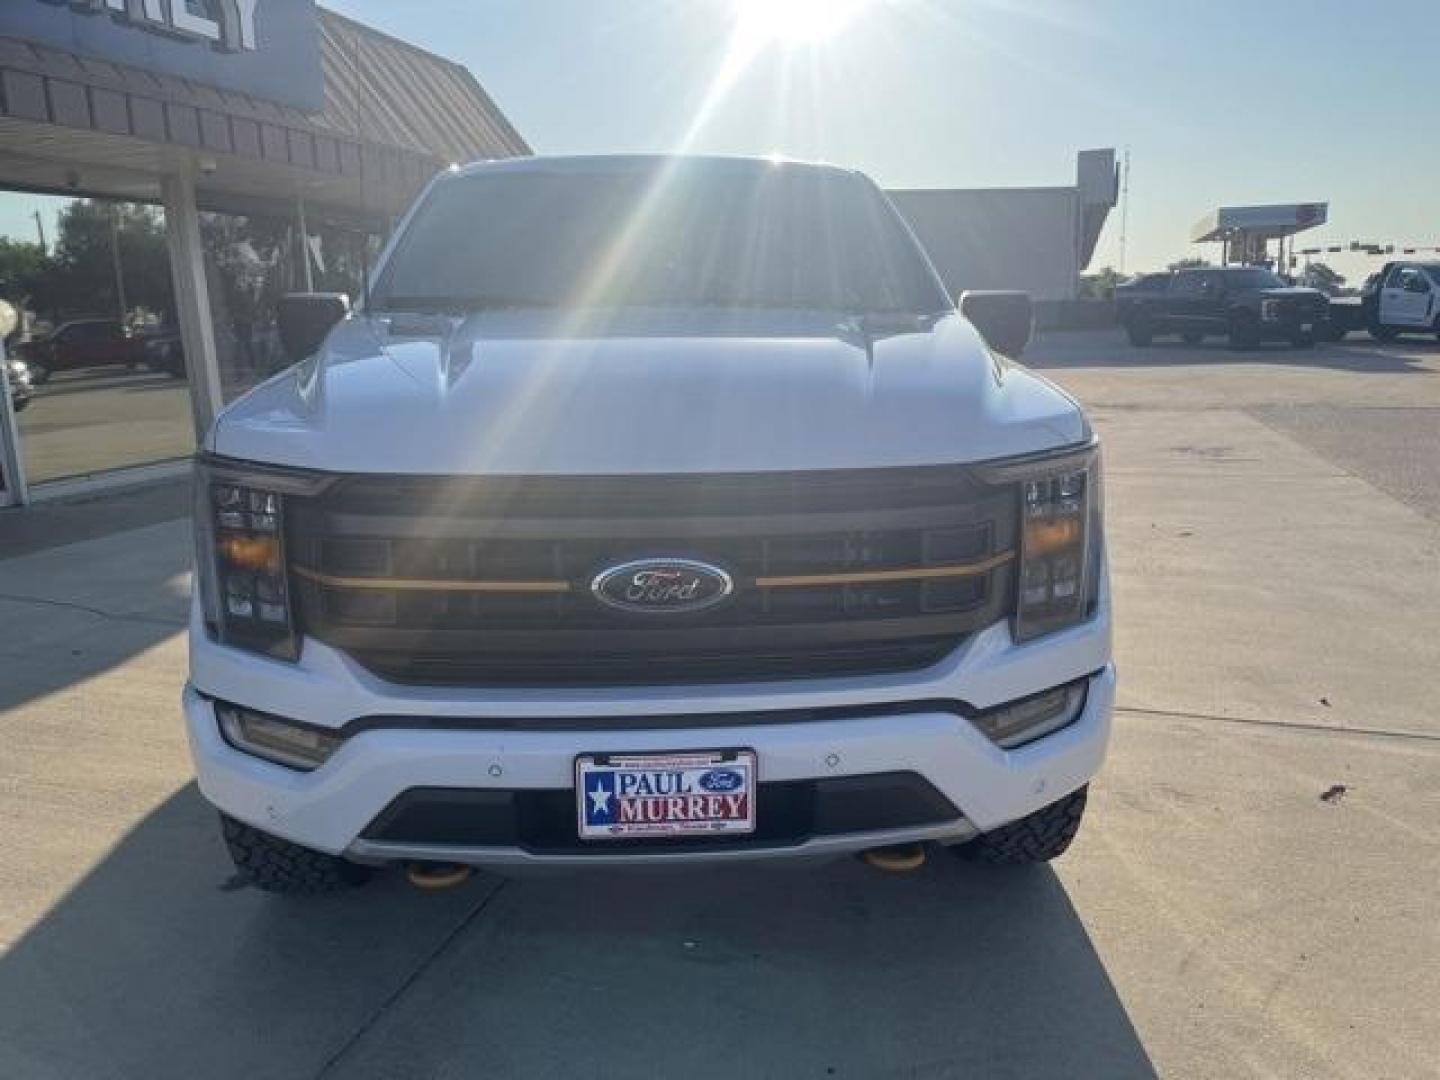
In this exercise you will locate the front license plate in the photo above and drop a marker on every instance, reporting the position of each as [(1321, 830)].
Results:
[(704, 793)]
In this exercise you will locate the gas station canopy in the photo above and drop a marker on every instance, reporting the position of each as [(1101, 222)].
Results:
[(1259, 223)]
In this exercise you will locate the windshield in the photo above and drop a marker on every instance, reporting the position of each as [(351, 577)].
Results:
[(771, 237), (1254, 277)]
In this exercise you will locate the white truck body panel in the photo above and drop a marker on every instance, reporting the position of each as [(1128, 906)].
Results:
[(781, 391)]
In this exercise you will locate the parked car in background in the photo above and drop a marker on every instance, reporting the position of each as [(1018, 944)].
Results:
[(21, 385), (1404, 298), (1246, 304), (1399, 298), (161, 350), (81, 343)]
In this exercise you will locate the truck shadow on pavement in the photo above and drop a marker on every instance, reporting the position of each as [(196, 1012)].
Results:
[(157, 964)]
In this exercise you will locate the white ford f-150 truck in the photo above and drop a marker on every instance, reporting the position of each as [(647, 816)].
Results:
[(649, 510)]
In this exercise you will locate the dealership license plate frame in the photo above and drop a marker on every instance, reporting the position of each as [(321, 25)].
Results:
[(731, 759)]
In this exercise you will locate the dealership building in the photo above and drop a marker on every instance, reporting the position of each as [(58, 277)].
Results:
[(282, 141), (262, 109), (1039, 239)]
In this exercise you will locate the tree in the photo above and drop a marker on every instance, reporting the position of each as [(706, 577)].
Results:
[(1101, 284), (1188, 263), (1319, 276), (26, 273), (84, 260)]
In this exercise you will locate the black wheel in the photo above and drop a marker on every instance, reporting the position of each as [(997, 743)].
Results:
[(1383, 333), (1192, 338), (1035, 838), (1243, 334), (39, 373), (19, 406), (1303, 339), (1139, 333), (278, 866)]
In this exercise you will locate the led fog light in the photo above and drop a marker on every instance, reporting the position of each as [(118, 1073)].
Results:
[(274, 738), (1034, 717)]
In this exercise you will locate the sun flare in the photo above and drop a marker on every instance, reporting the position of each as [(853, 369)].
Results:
[(795, 22)]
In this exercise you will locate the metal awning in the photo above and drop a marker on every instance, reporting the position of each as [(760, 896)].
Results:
[(393, 115)]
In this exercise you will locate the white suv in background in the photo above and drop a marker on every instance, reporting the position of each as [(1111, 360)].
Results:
[(652, 509)]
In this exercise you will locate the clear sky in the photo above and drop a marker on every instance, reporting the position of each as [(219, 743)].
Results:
[(1219, 102)]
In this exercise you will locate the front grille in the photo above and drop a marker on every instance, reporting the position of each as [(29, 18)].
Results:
[(1300, 309), (487, 581)]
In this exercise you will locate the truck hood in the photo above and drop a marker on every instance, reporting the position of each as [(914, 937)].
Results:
[(684, 392)]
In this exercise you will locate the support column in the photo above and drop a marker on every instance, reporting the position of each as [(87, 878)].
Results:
[(192, 298), (13, 491), (308, 276)]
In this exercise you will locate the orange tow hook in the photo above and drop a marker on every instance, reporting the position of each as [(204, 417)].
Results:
[(897, 859), (432, 877)]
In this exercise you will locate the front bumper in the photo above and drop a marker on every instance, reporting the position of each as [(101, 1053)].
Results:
[(478, 739)]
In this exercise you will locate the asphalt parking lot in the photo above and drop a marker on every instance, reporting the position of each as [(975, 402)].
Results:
[(104, 418), (1253, 894)]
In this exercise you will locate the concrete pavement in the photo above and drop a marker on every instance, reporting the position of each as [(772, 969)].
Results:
[(104, 418), (1216, 917)]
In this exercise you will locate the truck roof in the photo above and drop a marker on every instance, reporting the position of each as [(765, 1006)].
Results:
[(629, 163)]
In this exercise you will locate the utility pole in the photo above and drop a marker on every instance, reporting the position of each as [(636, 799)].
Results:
[(115, 258), (1124, 208), (40, 228)]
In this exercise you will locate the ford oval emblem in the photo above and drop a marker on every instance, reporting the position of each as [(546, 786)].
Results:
[(662, 586), (720, 780)]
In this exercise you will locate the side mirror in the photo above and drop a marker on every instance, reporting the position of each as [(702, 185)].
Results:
[(305, 318), (1006, 320)]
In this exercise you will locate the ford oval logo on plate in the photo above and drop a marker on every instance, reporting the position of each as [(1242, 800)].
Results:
[(662, 586), (721, 780)]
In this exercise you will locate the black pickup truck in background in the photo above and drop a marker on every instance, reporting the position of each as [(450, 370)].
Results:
[(1246, 304)]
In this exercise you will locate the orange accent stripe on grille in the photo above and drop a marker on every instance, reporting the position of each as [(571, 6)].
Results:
[(859, 577), (870, 577), (429, 584)]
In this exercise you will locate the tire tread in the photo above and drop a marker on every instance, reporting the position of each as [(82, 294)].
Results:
[(1035, 838), (279, 866)]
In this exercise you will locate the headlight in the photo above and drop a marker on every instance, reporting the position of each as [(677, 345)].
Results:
[(1060, 538), (274, 738), (240, 554), (1031, 718)]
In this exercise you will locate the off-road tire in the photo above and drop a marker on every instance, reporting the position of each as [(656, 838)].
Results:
[(1035, 838), (1243, 333), (278, 866), (1139, 332)]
